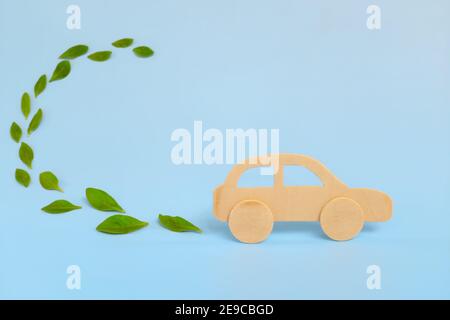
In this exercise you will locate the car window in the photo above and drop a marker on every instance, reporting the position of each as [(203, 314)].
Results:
[(300, 176), (254, 178)]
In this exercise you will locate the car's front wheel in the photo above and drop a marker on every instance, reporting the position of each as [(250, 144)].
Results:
[(251, 221), (342, 219)]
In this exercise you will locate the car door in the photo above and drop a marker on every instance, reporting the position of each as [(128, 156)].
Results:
[(303, 194)]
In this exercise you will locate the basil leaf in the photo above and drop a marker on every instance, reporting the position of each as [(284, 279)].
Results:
[(62, 70), (26, 154), (74, 52), (49, 181), (121, 224), (40, 85), (26, 104), (143, 52), (100, 56), (23, 177), (177, 224), (60, 206), (102, 201), (35, 122), (123, 43), (16, 132)]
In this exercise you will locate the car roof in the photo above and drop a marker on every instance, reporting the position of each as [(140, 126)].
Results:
[(308, 162)]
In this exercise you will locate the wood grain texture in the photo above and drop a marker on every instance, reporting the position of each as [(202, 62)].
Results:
[(250, 221), (342, 219)]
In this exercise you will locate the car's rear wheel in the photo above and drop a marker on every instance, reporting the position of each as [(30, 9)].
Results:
[(251, 221), (342, 219)]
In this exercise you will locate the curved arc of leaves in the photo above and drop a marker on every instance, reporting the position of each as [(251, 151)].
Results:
[(62, 63)]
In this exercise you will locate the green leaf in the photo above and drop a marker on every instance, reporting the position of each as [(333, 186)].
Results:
[(102, 201), (26, 154), (60, 206), (143, 52), (177, 224), (100, 56), (16, 132), (62, 70), (74, 52), (35, 122), (123, 43), (121, 224), (49, 181), (40, 85), (23, 177), (26, 104)]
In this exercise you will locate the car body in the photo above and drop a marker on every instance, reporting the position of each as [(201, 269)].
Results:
[(297, 203)]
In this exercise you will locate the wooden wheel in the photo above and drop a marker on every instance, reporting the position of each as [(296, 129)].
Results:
[(342, 219), (250, 221)]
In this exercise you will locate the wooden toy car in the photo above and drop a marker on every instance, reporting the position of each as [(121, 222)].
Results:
[(342, 211)]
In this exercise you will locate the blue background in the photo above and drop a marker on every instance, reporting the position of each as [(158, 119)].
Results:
[(372, 105)]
